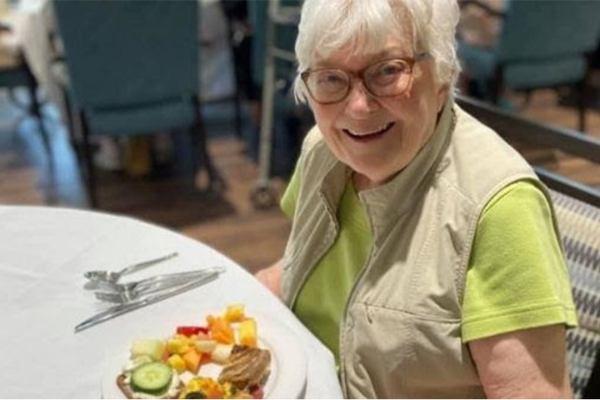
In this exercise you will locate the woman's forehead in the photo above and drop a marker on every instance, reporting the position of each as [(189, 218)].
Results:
[(360, 55)]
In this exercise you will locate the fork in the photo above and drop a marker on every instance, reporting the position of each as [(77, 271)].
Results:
[(121, 293), (113, 276)]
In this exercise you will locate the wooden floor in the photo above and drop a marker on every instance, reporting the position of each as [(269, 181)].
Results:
[(229, 223)]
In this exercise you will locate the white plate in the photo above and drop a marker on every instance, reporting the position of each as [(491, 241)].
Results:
[(287, 378)]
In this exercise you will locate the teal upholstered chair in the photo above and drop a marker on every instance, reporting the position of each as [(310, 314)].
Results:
[(541, 45), (15, 73), (284, 36), (133, 70)]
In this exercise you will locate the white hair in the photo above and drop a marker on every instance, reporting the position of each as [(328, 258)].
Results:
[(364, 26)]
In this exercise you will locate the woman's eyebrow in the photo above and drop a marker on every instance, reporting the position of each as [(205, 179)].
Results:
[(393, 52), (387, 53)]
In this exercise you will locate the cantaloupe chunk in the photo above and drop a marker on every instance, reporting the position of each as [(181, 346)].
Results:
[(192, 360), (220, 330)]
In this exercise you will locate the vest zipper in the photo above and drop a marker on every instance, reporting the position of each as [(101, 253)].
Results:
[(345, 313)]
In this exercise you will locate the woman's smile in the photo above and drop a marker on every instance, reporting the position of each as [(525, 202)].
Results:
[(363, 136)]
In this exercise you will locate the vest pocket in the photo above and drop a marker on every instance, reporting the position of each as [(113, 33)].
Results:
[(393, 354)]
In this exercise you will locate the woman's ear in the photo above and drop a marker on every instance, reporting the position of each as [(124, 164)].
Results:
[(442, 95)]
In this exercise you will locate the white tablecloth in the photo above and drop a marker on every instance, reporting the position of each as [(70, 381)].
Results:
[(43, 254)]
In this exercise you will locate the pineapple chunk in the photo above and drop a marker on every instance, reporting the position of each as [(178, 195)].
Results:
[(177, 363), (234, 313), (178, 345), (247, 332)]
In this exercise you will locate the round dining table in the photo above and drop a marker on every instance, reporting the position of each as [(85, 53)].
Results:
[(44, 253)]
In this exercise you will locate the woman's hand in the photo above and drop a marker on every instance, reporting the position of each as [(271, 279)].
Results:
[(530, 363), (271, 277)]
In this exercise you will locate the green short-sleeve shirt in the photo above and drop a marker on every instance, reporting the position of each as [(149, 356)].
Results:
[(517, 277)]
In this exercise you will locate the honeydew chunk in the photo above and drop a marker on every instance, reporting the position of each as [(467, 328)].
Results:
[(221, 353), (205, 346), (153, 348)]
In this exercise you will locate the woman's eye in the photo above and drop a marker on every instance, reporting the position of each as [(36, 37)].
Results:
[(387, 74), (390, 69), (328, 79)]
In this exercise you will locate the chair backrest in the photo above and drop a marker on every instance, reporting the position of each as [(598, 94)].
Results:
[(579, 225), (285, 36), (122, 53), (546, 30), (578, 220)]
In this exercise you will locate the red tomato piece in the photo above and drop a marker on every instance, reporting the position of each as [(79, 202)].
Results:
[(191, 330), (257, 392)]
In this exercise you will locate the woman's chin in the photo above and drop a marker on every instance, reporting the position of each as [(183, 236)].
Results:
[(370, 177)]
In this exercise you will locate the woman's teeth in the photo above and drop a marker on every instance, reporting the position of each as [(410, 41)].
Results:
[(359, 135)]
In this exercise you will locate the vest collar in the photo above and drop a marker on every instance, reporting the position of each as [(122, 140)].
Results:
[(392, 199)]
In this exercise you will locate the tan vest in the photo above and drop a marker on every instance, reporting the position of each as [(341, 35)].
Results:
[(400, 335)]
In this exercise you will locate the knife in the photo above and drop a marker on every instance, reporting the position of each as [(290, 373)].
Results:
[(121, 309)]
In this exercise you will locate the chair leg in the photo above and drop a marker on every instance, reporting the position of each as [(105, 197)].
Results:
[(238, 62), (238, 114), (70, 120), (527, 98), (89, 175), (35, 110), (582, 104), (497, 84), (199, 148)]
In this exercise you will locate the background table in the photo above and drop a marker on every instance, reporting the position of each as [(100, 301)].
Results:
[(43, 254)]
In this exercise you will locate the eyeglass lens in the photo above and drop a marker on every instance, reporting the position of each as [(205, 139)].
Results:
[(384, 79)]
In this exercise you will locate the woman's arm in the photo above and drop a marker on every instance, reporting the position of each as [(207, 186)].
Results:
[(271, 277), (529, 363)]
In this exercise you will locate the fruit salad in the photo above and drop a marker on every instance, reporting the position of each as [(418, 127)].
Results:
[(172, 367)]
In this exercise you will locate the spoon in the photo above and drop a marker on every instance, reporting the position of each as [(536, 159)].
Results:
[(112, 276)]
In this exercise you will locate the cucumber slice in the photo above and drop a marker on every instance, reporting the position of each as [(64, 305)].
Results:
[(151, 378)]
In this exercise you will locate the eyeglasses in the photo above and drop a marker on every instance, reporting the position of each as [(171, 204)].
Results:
[(386, 78)]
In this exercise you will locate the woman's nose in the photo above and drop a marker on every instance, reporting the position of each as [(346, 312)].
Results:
[(360, 101)]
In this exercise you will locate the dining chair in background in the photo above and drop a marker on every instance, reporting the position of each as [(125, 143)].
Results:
[(579, 225), (133, 70), (577, 209), (540, 45), (283, 121), (15, 73)]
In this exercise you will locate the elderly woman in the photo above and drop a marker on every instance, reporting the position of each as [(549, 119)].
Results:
[(424, 251)]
